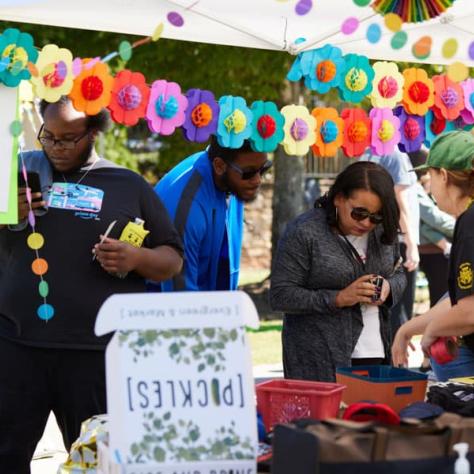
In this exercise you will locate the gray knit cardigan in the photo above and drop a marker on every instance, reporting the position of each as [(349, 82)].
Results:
[(313, 263)]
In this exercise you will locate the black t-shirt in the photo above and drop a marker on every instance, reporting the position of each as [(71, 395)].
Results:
[(78, 286), (461, 263)]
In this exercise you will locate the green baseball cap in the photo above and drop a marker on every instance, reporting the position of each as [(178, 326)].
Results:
[(452, 151)]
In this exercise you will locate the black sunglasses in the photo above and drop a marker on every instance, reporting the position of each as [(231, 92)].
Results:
[(361, 213), (246, 175)]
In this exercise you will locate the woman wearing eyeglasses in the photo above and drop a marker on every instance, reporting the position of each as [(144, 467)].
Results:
[(336, 274)]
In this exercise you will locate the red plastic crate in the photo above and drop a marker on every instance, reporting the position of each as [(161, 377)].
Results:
[(283, 400)]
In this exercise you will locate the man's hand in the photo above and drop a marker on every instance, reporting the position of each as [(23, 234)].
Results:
[(23, 206), (412, 258), (359, 291), (400, 346), (116, 256)]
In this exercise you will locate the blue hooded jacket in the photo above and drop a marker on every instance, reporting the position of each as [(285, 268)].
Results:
[(204, 218)]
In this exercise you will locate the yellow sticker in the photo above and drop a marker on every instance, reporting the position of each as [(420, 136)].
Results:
[(465, 276), (35, 241), (393, 22), (450, 48), (458, 71), (158, 32)]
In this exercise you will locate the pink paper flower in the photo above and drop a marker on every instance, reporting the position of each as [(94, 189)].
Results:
[(449, 96), (385, 131), (166, 107), (468, 92)]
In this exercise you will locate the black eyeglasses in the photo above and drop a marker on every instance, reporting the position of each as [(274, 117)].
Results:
[(66, 144), (361, 213), (246, 175)]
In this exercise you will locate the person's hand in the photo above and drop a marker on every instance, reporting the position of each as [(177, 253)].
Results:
[(23, 206), (115, 256), (426, 343), (383, 294), (359, 291), (401, 343), (412, 258)]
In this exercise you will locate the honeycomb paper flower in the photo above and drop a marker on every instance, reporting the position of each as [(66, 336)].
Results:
[(329, 131), (418, 91), (130, 96), (55, 76), (201, 115), (17, 50), (356, 78), (357, 130), (449, 96), (412, 130), (166, 107), (299, 130), (267, 126), (92, 88), (322, 68), (387, 85), (468, 94), (385, 131), (235, 122)]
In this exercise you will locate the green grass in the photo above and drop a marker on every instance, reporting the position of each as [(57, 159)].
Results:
[(265, 343)]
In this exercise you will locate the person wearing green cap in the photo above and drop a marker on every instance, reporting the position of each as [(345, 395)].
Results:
[(451, 166)]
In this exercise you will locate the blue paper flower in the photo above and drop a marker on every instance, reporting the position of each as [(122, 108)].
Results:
[(356, 78), (235, 122), (295, 73), (19, 48), (322, 68), (267, 126)]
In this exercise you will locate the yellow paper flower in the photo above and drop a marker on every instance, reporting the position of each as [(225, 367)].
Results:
[(299, 129), (92, 88), (55, 76), (388, 83)]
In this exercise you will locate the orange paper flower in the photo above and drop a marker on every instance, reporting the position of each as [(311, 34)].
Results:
[(92, 88), (357, 131), (449, 97), (129, 97), (418, 91), (329, 131)]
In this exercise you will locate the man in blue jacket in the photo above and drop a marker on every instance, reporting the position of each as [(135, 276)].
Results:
[(204, 195)]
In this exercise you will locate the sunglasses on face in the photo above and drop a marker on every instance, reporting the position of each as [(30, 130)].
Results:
[(361, 213), (246, 175)]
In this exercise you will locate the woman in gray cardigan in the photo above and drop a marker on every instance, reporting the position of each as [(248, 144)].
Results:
[(336, 312)]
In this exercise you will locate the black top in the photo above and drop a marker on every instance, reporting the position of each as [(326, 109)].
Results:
[(77, 285), (461, 263)]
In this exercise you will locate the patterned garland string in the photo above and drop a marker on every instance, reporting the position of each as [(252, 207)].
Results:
[(35, 242)]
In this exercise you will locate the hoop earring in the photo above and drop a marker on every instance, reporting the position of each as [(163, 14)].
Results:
[(337, 217)]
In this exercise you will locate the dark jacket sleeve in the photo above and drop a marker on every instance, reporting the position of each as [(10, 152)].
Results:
[(289, 292), (397, 280)]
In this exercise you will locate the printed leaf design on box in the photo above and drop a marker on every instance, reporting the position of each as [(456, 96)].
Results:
[(185, 346), (166, 440)]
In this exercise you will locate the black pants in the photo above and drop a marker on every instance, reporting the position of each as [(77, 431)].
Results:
[(403, 310), (34, 382), (435, 267)]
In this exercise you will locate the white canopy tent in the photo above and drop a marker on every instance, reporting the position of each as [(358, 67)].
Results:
[(266, 24)]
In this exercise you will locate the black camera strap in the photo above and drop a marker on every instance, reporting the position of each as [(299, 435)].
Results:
[(354, 252)]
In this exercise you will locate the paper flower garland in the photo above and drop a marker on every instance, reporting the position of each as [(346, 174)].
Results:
[(92, 88), (418, 91), (329, 131), (412, 130), (322, 68), (166, 107), (357, 131), (55, 76), (201, 115), (235, 122), (385, 131), (468, 92), (449, 97), (16, 50), (387, 85), (299, 130), (267, 126), (356, 78), (129, 99)]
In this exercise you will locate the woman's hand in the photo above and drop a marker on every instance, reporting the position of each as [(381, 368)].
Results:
[(359, 291), (116, 256), (384, 293), (401, 343), (23, 206)]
